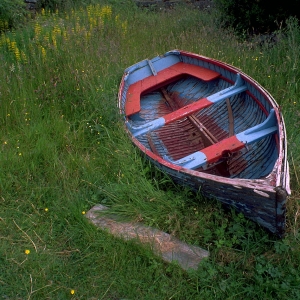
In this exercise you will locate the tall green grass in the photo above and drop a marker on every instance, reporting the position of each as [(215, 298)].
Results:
[(63, 149)]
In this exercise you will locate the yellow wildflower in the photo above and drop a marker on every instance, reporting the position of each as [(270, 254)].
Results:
[(43, 50), (54, 42), (27, 251), (24, 58), (124, 27), (106, 11), (17, 54), (1, 25), (37, 29)]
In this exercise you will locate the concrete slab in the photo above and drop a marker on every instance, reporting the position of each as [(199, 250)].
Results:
[(163, 244)]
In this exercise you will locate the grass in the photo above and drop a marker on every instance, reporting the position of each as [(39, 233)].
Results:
[(63, 149)]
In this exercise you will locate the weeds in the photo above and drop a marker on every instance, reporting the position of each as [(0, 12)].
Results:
[(63, 149)]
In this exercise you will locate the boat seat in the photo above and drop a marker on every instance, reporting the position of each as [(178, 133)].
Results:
[(162, 78), (227, 146), (189, 109)]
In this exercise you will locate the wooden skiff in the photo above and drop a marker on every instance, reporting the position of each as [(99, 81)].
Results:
[(213, 128)]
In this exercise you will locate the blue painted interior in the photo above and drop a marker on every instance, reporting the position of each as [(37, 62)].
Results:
[(142, 69), (255, 161), (237, 88), (251, 135)]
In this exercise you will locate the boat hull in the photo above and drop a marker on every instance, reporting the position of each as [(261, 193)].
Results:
[(210, 127)]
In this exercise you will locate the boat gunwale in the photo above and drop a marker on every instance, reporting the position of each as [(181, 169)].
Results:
[(263, 184)]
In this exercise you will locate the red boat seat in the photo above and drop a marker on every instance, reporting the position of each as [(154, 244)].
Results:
[(162, 78)]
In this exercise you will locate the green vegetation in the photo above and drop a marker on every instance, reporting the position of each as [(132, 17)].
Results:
[(254, 17), (63, 149), (12, 13), (53, 5)]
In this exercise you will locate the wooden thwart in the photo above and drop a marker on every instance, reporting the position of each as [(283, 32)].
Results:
[(188, 110), (226, 147), (135, 90), (207, 137)]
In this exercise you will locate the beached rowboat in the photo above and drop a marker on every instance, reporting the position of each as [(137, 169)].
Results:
[(213, 128)]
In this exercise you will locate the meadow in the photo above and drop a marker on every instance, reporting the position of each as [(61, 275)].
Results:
[(63, 149)]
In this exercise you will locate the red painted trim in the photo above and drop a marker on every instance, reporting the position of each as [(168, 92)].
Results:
[(187, 110), (227, 79), (169, 74), (222, 149), (212, 61)]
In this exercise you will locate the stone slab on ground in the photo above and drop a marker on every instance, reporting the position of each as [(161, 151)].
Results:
[(163, 244)]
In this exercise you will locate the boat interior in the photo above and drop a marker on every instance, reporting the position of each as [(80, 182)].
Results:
[(218, 110)]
